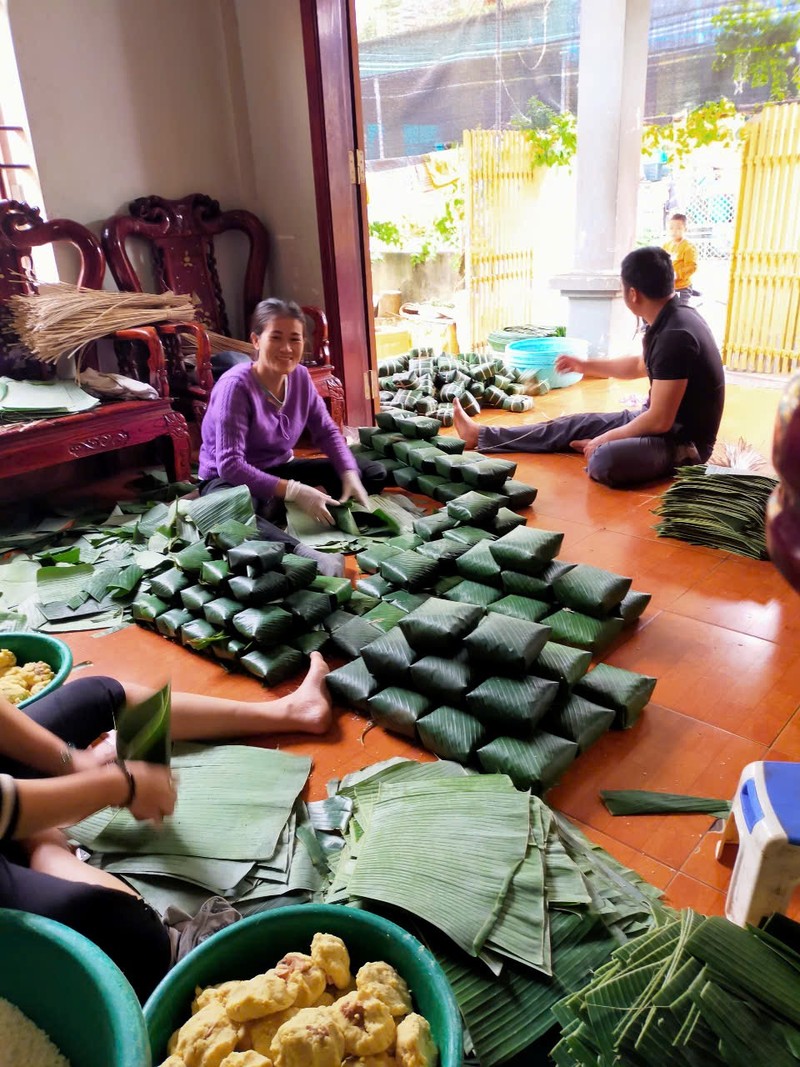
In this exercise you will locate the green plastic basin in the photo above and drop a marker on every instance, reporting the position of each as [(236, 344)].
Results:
[(28, 647), (252, 945), (72, 991)]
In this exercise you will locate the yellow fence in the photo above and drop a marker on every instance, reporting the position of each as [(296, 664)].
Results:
[(762, 332), (500, 196)]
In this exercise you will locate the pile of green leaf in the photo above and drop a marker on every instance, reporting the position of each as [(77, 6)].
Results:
[(426, 384), (696, 991), (719, 507), (516, 904)]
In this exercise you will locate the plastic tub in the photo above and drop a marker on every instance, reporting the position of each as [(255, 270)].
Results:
[(72, 991), (540, 354), (252, 945), (33, 646)]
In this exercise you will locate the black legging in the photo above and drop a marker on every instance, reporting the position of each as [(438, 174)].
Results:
[(311, 472), (124, 927)]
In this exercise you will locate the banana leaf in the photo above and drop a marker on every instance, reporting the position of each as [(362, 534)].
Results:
[(404, 540), (468, 535), (453, 446), (360, 602), (404, 450), (529, 585), (409, 570), (562, 664), (580, 721), (511, 705), (384, 615), (351, 638), (419, 427), (169, 622), (445, 584), (192, 558), (472, 508), (444, 552), (215, 573), (646, 802), (352, 685), (255, 557), (366, 433), (447, 491), (374, 585), (310, 607), (195, 597), (489, 473), (385, 420), (451, 734), (147, 607), (199, 634), (274, 666), (633, 606), (467, 592), (370, 559), (265, 626), (336, 619), (169, 584), (509, 645), (625, 691), (479, 565), (429, 527), (253, 592), (535, 763), (229, 534), (518, 494), (450, 466), (313, 641), (442, 679), (591, 590), (356, 520), (300, 571), (583, 631), (521, 607), (384, 442), (231, 650), (438, 626), (423, 460), (206, 513), (143, 729), (527, 550), (427, 483), (406, 478), (398, 710), (389, 658), (406, 601), (506, 520), (340, 589), (220, 612)]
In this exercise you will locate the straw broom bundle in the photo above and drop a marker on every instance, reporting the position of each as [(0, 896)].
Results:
[(61, 319), (218, 342)]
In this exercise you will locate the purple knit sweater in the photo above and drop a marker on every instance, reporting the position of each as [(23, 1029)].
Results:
[(244, 434)]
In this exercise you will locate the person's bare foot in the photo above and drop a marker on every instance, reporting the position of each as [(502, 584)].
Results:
[(464, 426), (309, 706)]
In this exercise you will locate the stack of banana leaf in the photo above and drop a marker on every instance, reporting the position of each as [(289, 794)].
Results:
[(519, 908), (694, 991), (719, 507), (424, 384)]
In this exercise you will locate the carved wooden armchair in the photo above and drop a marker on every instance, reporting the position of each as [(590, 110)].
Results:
[(110, 426), (181, 235)]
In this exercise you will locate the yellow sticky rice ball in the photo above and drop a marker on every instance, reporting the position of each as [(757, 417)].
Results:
[(7, 659)]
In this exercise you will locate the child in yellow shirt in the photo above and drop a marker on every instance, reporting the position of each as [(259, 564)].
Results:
[(683, 255)]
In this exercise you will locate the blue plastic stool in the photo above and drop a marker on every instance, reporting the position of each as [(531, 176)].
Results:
[(765, 819)]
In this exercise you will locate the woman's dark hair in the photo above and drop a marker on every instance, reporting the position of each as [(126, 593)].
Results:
[(649, 271), (274, 308)]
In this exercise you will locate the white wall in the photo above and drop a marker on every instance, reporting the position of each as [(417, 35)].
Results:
[(130, 97)]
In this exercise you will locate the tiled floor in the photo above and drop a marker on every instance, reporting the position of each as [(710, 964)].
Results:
[(721, 635)]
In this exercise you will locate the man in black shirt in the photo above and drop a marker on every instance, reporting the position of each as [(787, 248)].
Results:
[(680, 420)]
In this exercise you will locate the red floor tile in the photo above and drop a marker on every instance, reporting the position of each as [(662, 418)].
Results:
[(657, 874), (686, 892)]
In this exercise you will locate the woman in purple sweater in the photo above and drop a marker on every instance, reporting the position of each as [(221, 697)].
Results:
[(256, 415)]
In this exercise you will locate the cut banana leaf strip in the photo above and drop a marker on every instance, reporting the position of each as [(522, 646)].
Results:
[(565, 885), (509, 645), (580, 721), (352, 685), (625, 691), (466, 592), (351, 638), (63, 582), (511, 705), (398, 710), (124, 581), (442, 679), (527, 550), (521, 607), (439, 625), (591, 590), (534, 763), (645, 802), (451, 734), (522, 930), (274, 666), (583, 631), (213, 511)]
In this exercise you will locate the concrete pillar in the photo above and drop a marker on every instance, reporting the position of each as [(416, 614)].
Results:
[(611, 86)]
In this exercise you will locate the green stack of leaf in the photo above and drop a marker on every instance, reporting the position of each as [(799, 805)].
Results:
[(419, 459), (719, 507), (425, 384), (487, 661), (693, 991), (517, 905)]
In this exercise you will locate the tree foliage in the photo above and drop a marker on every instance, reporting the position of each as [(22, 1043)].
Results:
[(757, 46), (553, 135), (709, 123)]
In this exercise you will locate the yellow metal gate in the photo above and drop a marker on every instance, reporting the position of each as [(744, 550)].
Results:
[(762, 332), (500, 196)]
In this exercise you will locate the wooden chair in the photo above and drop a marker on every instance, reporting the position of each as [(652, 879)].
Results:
[(112, 425), (181, 235)]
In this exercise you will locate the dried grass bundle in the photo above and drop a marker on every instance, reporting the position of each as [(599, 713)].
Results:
[(61, 319), (218, 342), (740, 455)]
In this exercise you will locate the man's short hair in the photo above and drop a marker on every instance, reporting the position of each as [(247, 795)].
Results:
[(649, 271), (678, 217)]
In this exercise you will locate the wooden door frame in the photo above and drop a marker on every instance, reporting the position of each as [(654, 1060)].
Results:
[(334, 103)]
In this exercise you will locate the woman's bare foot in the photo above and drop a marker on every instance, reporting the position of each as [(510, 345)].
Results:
[(464, 426), (308, 708)]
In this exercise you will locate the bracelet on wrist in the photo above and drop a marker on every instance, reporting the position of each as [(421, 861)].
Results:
[(66, 762), (131, 784)]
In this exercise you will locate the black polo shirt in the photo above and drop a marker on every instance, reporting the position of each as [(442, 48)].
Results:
[(679, 344)]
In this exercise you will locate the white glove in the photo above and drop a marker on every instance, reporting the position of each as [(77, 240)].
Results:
[(352, 487), (312, 501)]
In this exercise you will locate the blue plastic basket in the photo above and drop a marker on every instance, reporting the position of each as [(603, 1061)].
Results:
[(540, 354)]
